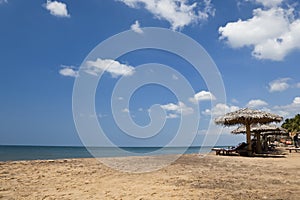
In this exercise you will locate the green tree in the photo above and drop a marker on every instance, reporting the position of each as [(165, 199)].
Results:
[(292, 124)]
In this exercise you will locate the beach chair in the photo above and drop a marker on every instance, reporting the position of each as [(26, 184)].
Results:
[(293, 149), (240, 149)]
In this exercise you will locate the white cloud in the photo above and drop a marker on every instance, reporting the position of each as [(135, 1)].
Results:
[(111, 66), (296, 100), (263, 25), (57, 9), (136, 27), (272, 32), (172, 116), (202, 96), (174, 77), (279, 85), (298, 85), (3, 1), (269, 3), (125, 110), (174, 110), (256, 103), (68, 71), (220, 109), (289, 110), (178, 13)]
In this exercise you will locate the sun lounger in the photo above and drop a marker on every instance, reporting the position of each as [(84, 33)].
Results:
[(223, 151), (240, 149), (293, 148)]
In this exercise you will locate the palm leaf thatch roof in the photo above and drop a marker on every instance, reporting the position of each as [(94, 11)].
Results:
[(247, 116), (261, 128)]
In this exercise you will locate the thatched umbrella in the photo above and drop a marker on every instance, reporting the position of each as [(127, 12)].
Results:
[(258, 129), (247, 117), (261, 128)]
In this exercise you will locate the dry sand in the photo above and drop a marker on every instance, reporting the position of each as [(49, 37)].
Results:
[(190, 177)]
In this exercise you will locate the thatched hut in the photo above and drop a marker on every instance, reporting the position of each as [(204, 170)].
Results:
[(258, 129), (247, 117)]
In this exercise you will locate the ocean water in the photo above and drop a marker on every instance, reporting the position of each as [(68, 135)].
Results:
[(14, 153)]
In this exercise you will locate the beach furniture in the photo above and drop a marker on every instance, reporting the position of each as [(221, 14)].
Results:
[(240, 149), (222, 151), (293, 149), (261, 130), (247, 117)]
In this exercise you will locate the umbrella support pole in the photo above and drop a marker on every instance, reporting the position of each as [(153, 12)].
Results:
[(248, 133)]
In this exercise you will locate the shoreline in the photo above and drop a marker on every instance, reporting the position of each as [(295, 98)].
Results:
[(189, 177), (15, 153)]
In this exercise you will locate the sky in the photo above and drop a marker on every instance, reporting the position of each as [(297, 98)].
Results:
[(47, 47)]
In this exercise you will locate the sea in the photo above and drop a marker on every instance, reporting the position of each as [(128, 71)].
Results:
[(15, 153)]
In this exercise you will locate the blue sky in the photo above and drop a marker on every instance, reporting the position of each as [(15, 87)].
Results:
[(255, 45)]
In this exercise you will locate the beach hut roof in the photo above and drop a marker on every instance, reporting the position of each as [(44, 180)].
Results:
[(275, 133), (247, 116), (261, 128)]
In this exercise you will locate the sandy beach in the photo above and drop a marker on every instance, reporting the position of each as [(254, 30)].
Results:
[(190, 177)]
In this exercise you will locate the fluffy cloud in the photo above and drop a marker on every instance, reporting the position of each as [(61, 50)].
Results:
[(271, 32), (136, 27), (269, 3), (68, 71), (220, 109), (279, 85), (178, 13), (256, 103), (111, 66), (174, 110), (296, 100), (57, 9), (289, 110), (202, 96)]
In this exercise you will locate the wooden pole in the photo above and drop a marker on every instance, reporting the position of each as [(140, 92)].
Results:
[(249, 148)]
